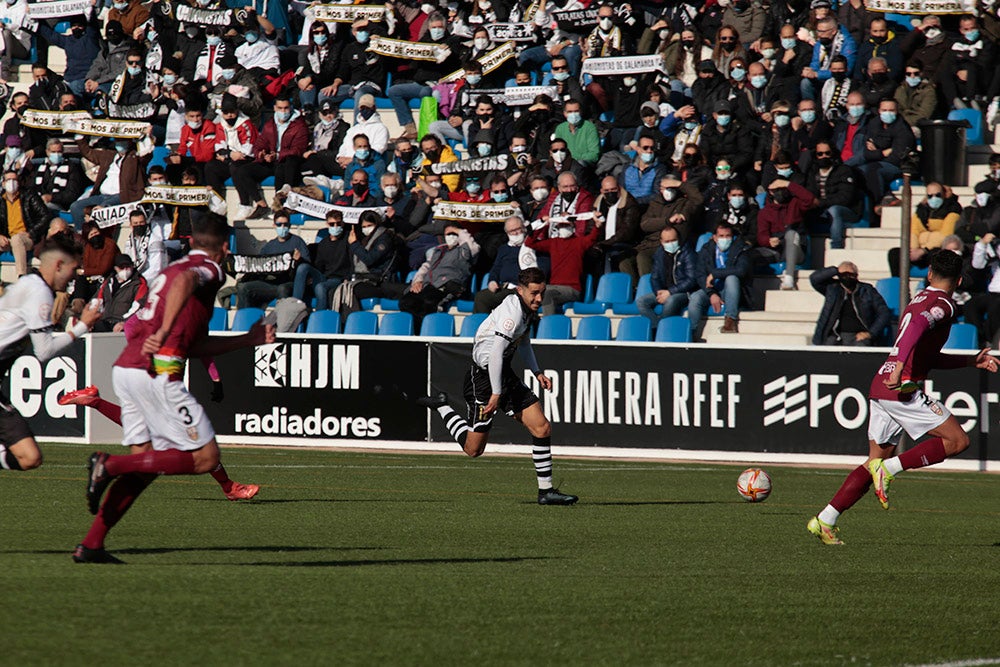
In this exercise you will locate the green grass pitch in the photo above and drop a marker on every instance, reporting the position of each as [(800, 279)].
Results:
[(365, 559)]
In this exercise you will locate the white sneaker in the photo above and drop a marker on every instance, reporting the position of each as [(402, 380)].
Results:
[(992, 112), (320, 180), (242, 212), (788, 282), (285, 190)]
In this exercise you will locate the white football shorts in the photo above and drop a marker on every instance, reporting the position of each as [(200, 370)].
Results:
[(888, 419), (161, 411)]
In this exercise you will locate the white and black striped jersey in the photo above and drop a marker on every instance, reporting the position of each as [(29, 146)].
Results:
[(510, 321), (26, 315)]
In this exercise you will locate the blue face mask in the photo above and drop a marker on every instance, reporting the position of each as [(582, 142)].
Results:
[(758, 81), (784, 173), (282, 116), (134, 71), (483, 150), (473, 79), (473, 187), (362, 154), (169, 79), (336, 231), (319, 39), (724, 244), (738, 73), (647, 157), (807, 116), (121, 148), (856, 111), (935, 202), (437, 33), (283, 231), (737, 201), (972, 35), (671, 247), (887, 117), (250, 37), (781, 119), (55, 158), (723, 119), (690, 125), (362, 37), (913, 81), (574, 118), (560, 76), (500, 197), (213, 40), (227, 74), (788, 43)]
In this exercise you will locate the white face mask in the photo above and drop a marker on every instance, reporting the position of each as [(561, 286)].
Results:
[(982, 198), (390, 191), (368, 231), (123, 275), (10, 186), (480, 44), (515, 239), (668, 194), (559, 156), (565, 232), (451, 240), (540, 194)]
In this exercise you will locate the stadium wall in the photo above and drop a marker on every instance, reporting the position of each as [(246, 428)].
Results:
[(608, 399)]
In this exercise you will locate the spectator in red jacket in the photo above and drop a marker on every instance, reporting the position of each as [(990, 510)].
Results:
[(779, 225), (568, 202), (197, 144), (566, 251), (278, 152)]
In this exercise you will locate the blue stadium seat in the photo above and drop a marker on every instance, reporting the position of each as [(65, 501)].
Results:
[(974, 133), (361, 323), (220, 319), (595, 327), (323, 322), (67, 216), (322, 234), (396, 324), (634, 329), (674, 330), (644, 287), (389, 304), (471, 324), (611, 288), (889, 289), (702, 241), (246, 318), (369, 304), (917, 272), (465, 305), (267, 182), (437, 324), (555, 327), (962, 337), (159, 158)]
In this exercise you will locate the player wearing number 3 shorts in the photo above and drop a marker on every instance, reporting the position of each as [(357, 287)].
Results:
[(897, 401), (163, 424)]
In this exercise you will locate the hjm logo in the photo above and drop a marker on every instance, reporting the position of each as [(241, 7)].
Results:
[(307, 366)]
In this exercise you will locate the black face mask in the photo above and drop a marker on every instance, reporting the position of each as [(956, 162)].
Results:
[(433, 155), (611, 198), (879, 40), (96, 242), (729, 46), (360, 189), (568, 197), (838, 76), (781, 196), (78, 32), (826, 41), (21, 109), (848, 281), (406, 157), (880, 77), (366, 112), (688, 44), (689, 160), (231, 121), (824, 162), (114, 39), (139, 230)]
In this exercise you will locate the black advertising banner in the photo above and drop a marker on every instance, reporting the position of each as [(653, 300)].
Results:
[(320, 388), (34, 387), (698, 398)]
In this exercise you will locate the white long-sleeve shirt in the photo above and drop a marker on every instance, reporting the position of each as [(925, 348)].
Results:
[(26, 313)]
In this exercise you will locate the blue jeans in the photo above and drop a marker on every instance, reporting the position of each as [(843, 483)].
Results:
[(808, 89), (699, 302), (76, 209), (400, 95), (536, 56), (840, 218), (878, 176), (322, 287), (673, 306), (346, 91)]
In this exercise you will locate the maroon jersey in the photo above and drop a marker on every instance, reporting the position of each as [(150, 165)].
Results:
[(190, 325), (923, 331)]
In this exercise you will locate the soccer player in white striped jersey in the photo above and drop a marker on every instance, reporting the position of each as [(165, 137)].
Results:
[(491, 384)]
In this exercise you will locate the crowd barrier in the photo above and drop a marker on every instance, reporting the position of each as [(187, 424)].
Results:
[(607, 399)]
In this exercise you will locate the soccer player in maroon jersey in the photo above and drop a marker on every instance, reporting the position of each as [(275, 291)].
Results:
[(164, 425), (897, 401)]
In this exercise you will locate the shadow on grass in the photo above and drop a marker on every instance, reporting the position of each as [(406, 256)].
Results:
[(394, 561), (272, 501), (242, 548), (637, 503)]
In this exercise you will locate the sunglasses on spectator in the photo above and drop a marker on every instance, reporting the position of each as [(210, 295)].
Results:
[(727, 39), (934, 194), (134, 62), (282, 224), (723, 168), (915, 72), (646, 149), (560, 69), (824, 154)]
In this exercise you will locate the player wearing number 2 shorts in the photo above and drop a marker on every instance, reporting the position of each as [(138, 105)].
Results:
[(897, 401), (164, 425)]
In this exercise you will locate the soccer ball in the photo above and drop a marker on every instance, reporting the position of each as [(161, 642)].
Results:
[(753, 485)]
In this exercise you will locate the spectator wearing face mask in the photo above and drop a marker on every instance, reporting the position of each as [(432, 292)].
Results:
[(566, 251), (672, 278), (235, 80), (121, 174), (916, 97), (715, 193), (879, 42), (330, 265), (368, 161), (739, 212), (534, 201), (982, 217), (471, 191), (98, 259), (780, 229), (81, 45), (782, 166), (258, 54), (235, 135), (107, 66), (443, 277), (677, 205), (723, 269), (209, 65), (681, 58), (876, 84), (122, 293), (641, 178), (359, 195), (257, 290), (934, 220), (969, 66), (927, 44), (792, 56), (888, 140), (839, 199), (510, 259), (398, 203), (747, 18), (198, 141), (434, 152), (833, 95), (561, 161), (832, 40), (725, 137), (58, 181), (854, 314), (808, 128), (620, 232), (146, 246), (24, 219), (580, 135), (569, 202), (16, 41), (710, 89)]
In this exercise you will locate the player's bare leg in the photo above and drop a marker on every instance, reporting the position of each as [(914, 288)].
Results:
[(22, 455), (947, 440), (91, 398), (541, 453), (823, 525)]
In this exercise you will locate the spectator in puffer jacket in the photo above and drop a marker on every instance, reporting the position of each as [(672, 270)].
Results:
[(854, 314), (673, 278)]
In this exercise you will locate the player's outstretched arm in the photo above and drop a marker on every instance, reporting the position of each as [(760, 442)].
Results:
[(213, 346), (47, 343)]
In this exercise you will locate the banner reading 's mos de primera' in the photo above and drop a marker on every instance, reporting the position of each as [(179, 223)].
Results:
[(55, 9), (347, 13), (464, 212), (622, 65), (511, 32), (178, 195), (490, 61), (51, 120), (922, 6), (262, 263), (398, 48)]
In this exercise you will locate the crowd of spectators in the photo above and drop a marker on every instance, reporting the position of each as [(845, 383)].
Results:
[(762, 125)]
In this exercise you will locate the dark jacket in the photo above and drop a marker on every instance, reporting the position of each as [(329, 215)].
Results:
[(374, 256), (132, 176), (80, 53), (294, 142), (977, 222), (35, 213), (868, 304), (507, 265), (841, 188), (332, 258), (898, 136), (684, 271), (64, 182), (688, 203), (119, 297), (735, 144), (738, 263), (840, 129)]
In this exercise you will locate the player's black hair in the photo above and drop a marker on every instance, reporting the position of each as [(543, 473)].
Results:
[(63, 243), (210, 231), (947, 264), (528, 276)]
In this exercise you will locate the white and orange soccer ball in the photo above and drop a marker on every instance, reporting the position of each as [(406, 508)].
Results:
[(754, 485)]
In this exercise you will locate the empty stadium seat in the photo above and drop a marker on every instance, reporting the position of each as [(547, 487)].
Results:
[(595, 327), (361, 323), (611, 288), (555, 327), (369, 304), (644, 287), (323, 322), (471, 324), (396, 324), (388, 304), (674, 330), (974, 133), (702, 240), (437, 324), (634, 329), (246, 318), (220, 319), (962, 337), (889, 289)]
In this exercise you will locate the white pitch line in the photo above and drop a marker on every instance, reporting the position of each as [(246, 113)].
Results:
[(975, 662)]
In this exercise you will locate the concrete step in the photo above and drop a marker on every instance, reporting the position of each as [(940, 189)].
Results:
[(869, 261), (713, 337), (777, 316), (774, 327), (798, 301), (869, 242)]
